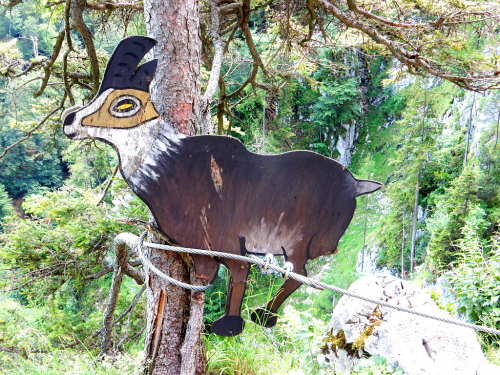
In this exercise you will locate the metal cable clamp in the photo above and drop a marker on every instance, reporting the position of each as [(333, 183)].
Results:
[(269, 258), (288, 267)]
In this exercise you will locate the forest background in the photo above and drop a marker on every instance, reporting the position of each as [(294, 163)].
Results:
[(430, 139)]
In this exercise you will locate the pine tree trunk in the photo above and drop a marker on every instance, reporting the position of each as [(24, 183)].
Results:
[(364, 234), (174, 315), (414, 225), (403, 251), (469, 128)]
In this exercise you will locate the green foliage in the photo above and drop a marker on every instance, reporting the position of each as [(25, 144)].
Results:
[(375, 365), (32, 25), (69, 362), (305, 333), (51, 255), (449, 307), (34, 165), (418, 130), (293, 344), (491, 348), (89, 165), (31, 166), (6, 208), (475, 278)]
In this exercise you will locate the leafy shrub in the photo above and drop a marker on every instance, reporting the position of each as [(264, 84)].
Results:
[(47, 258), (449, 307), (475, 279), (375, 365)]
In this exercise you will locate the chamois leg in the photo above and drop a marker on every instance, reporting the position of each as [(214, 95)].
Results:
[(231, 324), (267, 316), (205, 268)]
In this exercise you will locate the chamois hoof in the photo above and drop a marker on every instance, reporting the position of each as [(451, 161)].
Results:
[(228, 326), (264, 317)]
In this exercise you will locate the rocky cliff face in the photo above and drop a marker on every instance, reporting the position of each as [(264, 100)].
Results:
[(345, 145), (345, 142)]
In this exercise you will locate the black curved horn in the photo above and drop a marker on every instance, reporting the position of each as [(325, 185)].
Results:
[(122, 71)]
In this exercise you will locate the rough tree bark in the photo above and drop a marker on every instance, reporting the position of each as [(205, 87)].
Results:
[(174, 315)]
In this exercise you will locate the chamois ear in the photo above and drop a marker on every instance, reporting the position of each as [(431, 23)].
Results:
[(366, 187)]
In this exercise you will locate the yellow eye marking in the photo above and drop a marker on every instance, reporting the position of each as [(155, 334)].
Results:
[(108, 115), (124, 106)]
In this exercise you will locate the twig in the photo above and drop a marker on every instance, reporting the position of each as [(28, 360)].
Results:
[(107, 270), (34, 129), (130, 310), (138, 334), (108, 185)]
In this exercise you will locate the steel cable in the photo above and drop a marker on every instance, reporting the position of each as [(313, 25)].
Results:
[(304, 280)]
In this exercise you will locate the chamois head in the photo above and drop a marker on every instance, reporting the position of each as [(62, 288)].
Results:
[(122, 101)]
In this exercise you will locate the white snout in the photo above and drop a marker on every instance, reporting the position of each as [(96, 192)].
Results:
[(67, 111)]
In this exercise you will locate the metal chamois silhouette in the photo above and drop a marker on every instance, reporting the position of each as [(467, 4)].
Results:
[(210, 192)]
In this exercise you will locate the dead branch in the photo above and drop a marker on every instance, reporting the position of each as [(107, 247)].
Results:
[(107, 5), (249, 39), (121, 242), (354, 7), (138, 333), (312, 22), (216, 64), (120, 267), (113, 299), (32, 66), (69, 50), (124, 313), (31, 280), (107, 270), (131, 221), (48, 64)]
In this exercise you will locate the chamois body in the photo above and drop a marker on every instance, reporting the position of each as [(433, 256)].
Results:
[(211, 192)]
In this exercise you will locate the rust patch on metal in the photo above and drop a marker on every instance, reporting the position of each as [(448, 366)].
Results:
[(215, 173)]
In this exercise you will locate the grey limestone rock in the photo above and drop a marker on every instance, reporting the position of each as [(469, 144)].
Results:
[(417, 345)]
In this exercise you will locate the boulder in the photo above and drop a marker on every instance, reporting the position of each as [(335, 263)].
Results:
[(417, 345)]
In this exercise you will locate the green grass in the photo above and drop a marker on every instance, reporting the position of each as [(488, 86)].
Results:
[(68, 362), (342, 271), (290, 347)]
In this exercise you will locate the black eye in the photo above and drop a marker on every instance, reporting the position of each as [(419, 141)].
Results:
[(124, 106)]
